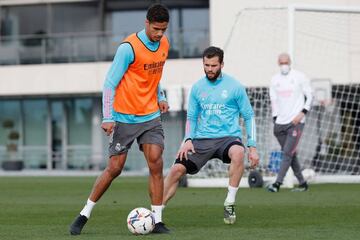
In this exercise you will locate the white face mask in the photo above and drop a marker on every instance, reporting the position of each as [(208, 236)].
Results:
[(284, 69)]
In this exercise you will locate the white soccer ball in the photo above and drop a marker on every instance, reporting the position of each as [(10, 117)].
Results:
[(140, 221), (309, 174)]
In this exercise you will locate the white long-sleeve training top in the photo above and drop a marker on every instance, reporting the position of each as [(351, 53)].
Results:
[(287, 95)]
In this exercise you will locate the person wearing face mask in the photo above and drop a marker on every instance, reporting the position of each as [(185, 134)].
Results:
[(212, 130), (291, 97)]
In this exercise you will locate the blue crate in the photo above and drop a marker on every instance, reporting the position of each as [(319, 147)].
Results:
[(275, 161)]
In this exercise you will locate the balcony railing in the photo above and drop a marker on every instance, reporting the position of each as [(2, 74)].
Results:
[(87, 47)]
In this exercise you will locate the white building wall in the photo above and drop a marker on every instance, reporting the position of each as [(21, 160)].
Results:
[(87, 78), (250, 56)]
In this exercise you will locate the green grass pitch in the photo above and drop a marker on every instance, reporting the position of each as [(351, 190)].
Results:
[(43, 208)]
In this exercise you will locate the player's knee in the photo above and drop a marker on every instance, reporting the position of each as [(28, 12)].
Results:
[(237, 150), (178, 170), (113, 171), (115, 166), (156, 163), (155, 157), (236, 154), (156, 166), (189, 166)]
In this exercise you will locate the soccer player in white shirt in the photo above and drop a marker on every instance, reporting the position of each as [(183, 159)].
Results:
[(291, 96)]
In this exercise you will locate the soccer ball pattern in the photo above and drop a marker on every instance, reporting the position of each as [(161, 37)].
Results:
[(140, 221)]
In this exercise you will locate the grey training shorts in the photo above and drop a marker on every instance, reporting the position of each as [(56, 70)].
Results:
[(124, 134), (207, 149)]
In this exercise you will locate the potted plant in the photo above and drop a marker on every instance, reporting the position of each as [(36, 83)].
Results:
[(12, 161)]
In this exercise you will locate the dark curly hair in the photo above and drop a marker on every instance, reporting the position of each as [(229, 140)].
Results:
[(158, 13), (212, 51)]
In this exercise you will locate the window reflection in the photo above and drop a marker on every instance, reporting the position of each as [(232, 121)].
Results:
[(69, 124), (188, 30), (10, 111), (196, 31), (79, 121), (74, 17), (35, 115), (34, 34), (125, 22)]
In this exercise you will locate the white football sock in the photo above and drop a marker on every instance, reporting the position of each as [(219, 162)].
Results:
[(87, 208), (230, 198), (157, 211)]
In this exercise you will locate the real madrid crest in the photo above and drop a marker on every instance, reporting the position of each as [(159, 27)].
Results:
[(224, 94)]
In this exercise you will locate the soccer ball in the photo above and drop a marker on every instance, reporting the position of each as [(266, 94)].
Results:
[(140, 221)]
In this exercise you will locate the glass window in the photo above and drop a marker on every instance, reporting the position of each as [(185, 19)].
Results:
[(28, 20), (72, 32), (24, 20), (75, 18), (35, 118), (124, 23), (10, 114), (190, 42), (188, 32), (120, 24), (79, 121), (173, 32), (35, 148), (196, 31), (7, 21)]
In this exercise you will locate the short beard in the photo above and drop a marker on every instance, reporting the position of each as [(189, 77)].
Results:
[(213, 79)]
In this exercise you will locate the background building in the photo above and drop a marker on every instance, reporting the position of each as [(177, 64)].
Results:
[(55, 55)]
